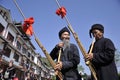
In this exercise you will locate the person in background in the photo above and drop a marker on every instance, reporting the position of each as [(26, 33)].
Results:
[(69, 59), (1, 66), (102, 56), (1, 53), (10, 71), (1, 71)]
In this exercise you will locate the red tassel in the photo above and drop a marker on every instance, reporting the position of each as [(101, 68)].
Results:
[(29, 20), (27, 26), (61, 12)]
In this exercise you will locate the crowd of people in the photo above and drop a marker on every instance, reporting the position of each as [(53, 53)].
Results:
[(10, 73)]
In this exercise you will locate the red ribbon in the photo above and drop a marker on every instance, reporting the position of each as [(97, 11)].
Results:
[(61, 12), (27, 26)]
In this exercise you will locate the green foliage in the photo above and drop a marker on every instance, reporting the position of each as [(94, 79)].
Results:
[(117, 58), (80, 68), (119, 76), (53, 77), (45, 61)]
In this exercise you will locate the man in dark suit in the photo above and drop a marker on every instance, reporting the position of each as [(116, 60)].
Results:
[(69, 56), (102, 56)]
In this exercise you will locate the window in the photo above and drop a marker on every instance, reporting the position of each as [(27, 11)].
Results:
[(4, 15), (1, 28), (16, 57), (29, 54), (22, 61), (6, 18), (10, 37), (1, 12), (7, 52), (18, 45), (32, 58), (24, 50)]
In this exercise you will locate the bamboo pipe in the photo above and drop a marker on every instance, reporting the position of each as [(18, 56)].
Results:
[(91, 48), (78, 42), (56, 72), (41, 46)]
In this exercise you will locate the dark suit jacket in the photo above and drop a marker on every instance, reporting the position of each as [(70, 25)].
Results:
[(70, 59), (103, 59)]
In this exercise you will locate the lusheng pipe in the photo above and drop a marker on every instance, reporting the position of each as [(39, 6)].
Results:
[(79, 44)]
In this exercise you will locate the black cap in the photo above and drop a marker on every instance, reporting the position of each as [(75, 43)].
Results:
[(96, 26), (65, 29)]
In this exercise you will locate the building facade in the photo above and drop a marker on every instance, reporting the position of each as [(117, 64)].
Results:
[(17, 46)]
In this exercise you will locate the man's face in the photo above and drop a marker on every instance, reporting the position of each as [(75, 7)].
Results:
[(97, 34), (10, 64), (65, 36)]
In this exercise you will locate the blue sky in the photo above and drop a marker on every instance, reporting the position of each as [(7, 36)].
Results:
[(81, 14)]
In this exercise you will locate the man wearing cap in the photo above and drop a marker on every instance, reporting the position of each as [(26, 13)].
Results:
[(69, 59), (102, 56)]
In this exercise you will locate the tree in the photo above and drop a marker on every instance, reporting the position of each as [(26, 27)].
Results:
[(80, 68), (117, 59)]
